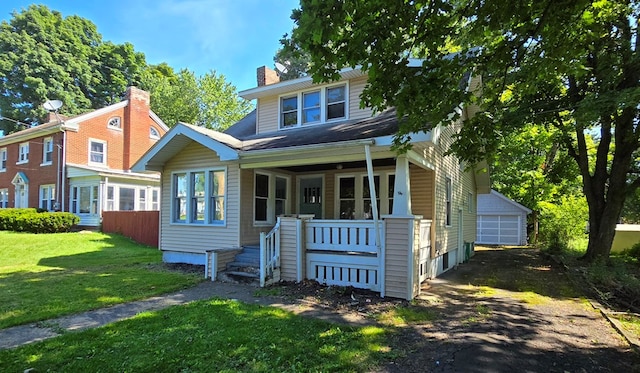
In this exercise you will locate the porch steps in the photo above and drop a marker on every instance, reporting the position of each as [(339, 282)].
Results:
[(246, 264)]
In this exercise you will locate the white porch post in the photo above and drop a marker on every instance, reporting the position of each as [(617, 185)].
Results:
[(402, 192), (372, 193)]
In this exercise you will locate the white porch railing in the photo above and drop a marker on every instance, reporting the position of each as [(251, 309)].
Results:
[(425, 249), (270, 256), (343, 252)]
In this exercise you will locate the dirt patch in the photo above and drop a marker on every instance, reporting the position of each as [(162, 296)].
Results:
[(504, 311)]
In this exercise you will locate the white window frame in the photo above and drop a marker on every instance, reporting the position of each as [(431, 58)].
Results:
[(189, 198), (115, 123), (47, 149), (23, 153), (104, 152), (383, 195), (271, 197), (3, 160), (4, 197), (94, 199), (323, 106), (110, 201), (448, 200), (154, 133), (47, 198)]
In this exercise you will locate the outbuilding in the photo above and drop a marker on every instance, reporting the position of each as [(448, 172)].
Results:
[(500, 220)]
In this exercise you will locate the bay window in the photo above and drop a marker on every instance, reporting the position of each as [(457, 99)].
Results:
[(198, 197)]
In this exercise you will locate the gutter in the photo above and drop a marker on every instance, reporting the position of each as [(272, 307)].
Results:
[(250, 154)]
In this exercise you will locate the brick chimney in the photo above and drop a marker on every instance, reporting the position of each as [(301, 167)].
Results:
[(135, 126), (267, 76)]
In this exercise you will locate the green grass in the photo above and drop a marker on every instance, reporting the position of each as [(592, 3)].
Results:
[(630, 323), (207, 336), (43, 276), (405, 315)]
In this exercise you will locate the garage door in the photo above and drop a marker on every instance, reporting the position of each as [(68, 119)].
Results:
[(499, 229)]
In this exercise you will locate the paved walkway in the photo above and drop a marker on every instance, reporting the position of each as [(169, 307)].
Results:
[(23, 334)]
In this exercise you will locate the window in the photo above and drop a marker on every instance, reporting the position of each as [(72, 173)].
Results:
[(142, 199), (354, 195), (317, 106), (155, 199), (114, 123), (47, 197), (127, 199), (23, 155), (4, 198), (84, 199), (97, 152), (110, 198), (271, 197), (198, 197), (3, 159), (153, 133), (447, 191), (47, 151)]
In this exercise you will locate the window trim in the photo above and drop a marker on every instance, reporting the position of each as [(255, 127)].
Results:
[(4, 197), (448, 199), (104, 152), (154, 133), (3, 159), (24, 145), (51, 202), (271, 197), (117, 127), (299, 95), (189, 194), (382, 197), (45, 151)]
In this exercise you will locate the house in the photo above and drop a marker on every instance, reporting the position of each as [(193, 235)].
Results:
[(309, 183), (83, 164), (501, 221)]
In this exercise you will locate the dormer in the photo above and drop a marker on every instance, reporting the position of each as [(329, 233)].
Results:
[(300, 103)]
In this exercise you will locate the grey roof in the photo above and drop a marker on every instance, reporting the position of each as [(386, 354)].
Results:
[(358, 129)]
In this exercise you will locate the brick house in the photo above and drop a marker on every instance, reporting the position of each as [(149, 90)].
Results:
[(83, 164)]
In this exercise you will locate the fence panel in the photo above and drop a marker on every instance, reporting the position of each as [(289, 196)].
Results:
[(140, 226)]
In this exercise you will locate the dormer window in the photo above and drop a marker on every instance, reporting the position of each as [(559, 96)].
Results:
[(153, 133), (114, 123), (312, 107)]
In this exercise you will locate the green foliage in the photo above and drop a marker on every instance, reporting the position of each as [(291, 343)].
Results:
[(634, 251), (43, 276), (563, 221), (34, 221), (295, 59), (48, 56), (208, 100), (571, 66)]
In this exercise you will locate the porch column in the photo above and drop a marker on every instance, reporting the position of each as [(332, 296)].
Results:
[(401, 188)]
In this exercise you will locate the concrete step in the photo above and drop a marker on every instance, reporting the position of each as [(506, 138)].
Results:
[(243, 274)]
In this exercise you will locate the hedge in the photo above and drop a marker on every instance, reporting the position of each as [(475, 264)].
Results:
[(36, 221)]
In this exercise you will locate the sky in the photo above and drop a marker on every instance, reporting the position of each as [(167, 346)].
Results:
[(232, 37)]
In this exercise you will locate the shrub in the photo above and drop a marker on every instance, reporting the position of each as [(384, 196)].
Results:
[(29, 220), (634, 251), (562, 222)]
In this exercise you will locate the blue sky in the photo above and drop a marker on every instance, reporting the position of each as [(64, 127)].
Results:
[(233, 37)]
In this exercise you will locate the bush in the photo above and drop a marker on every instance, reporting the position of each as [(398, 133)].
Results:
[(563, 222), (32, 221), (634, 251)]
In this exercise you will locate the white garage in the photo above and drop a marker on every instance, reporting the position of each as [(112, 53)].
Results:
[(500, 220)]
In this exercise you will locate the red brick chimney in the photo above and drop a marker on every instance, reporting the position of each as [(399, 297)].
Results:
[(267, 76), (135, 126)]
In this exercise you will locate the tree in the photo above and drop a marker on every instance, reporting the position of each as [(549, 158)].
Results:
[(572, 65), (45, 56), (208, 100), (293, 58)]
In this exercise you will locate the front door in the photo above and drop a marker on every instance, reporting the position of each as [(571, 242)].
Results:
[(22, 200), (310, 200)]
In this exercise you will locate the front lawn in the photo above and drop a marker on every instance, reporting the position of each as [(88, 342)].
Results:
[(207, 336), (43, 276)]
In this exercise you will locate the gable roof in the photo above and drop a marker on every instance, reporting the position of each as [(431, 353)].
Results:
[(496, 194)]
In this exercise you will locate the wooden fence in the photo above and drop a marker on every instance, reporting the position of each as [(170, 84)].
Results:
[(140, 226)]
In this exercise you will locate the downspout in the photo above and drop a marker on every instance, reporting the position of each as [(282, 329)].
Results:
[(376, 218), (64, 169), (58, 184)]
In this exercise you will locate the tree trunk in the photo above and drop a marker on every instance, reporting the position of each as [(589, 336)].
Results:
[(600, 239)]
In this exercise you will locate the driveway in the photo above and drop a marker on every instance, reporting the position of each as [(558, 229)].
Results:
[(510, 311)]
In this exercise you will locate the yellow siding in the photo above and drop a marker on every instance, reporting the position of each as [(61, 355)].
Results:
[(421, 191), (396, 258), (288, 249), (267, 115), (355, 90), (249, 233), (196, 238)]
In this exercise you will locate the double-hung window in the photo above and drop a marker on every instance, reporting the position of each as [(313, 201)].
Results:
[(4, 198), (97, 152), (353, 195), (3, 159), (447, 191), (271, 197), (47, 151), (47, 197), (312, 107), (198, 197), (23, 153), (84, 199)]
